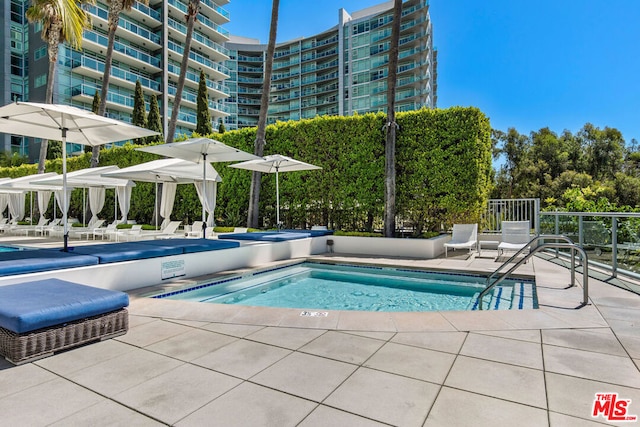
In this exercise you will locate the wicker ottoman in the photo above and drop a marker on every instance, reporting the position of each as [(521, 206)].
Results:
[(40, 318)]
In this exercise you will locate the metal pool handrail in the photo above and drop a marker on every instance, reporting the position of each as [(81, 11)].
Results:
[(556, 245)]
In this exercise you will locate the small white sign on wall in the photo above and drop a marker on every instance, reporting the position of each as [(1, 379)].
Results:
[(171, 269)]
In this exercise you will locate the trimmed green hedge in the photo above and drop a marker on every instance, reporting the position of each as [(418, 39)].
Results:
[(443, 173)]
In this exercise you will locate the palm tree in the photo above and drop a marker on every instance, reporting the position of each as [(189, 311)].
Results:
[(391, 127), (258, 149), (115, 7), (192, 13), (62, 21)]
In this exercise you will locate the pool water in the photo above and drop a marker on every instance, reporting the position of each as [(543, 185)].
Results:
[(348, 287), (9, 249)]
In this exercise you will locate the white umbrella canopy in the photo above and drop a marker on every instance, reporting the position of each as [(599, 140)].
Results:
[(198, 150), (67, 124), (27, 183), (275, 163)]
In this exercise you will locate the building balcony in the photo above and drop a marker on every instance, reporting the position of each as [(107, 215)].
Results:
[(84, 93), (214, 70), (126, 29), (123, 53), (190, 100), (215, 12), (145, 14), (94, 68), (204, 25), (178, 31), (216, 90)]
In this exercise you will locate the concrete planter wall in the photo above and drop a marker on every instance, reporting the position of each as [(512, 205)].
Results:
[(379, 246)]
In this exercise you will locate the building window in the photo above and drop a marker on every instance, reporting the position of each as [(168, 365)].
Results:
[(40, 53), (41, 80)]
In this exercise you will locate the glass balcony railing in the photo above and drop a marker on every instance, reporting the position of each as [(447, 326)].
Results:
[(122, 48), (198, 37), (201, 18), (191, 96), (198, 58), (217, 8), (112, 97), (94, 64), (147, 10), (194, 77), (123, 23)]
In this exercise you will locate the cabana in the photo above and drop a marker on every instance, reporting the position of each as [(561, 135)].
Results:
[(171, 172), (15, 189)]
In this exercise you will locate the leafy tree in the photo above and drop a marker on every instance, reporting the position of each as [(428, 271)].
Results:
[(221, 128), (95, 106), (391, 127), (115, 7), (203, 123), (138, 116), (191, 16), (605, 150), (62, 21), (258, 150), (154, 121)]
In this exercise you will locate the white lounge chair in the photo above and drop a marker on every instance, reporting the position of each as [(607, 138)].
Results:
[(108, 231), (464, 236), (196, 230), (515, 236), (169, 232)]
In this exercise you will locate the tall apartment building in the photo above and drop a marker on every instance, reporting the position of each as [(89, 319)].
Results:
[(337, 72), (340, 71), (149, 47)]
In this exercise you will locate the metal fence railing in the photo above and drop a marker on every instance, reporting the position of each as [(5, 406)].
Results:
[(499, 210)]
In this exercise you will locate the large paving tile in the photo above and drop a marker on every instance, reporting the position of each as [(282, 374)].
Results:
[(17, 378), (476, 321), (508, 382), (84, 357), (175, 394), (575, 396), (450, 342), (530, 335), (106, 413), (251, 405), (120, 373), (341, 346), (46, 403), (413, 362), (239, 331), (366, 321), (590, 365), (420, 322), (191, 344), (516, 352), (242, 358), (598, 340), (381, 336), (561, 420), (152, 332), (291, 338), (385, 397), (459, 408), (325, 416), (631, 345), (305, 375)]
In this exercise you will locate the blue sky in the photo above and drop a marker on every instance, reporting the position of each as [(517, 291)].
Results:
[(525, 64)]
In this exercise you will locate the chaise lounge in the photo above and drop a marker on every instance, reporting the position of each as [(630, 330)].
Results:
[(464, 236), (40, 318)]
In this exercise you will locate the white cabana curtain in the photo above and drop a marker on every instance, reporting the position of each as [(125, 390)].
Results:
[(168, 197), (43, 202), (210, 205), (64, 207), (96, 201), (16, 205), (4, 202), (124, 200)]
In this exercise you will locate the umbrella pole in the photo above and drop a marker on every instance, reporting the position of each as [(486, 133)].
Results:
[(277, 201), (204, 195), (156, 202), (65, 227)]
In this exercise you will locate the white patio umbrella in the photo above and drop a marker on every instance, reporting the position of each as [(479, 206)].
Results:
[(175, 171), (26, 183), (205, 150), (68, 124), (275, 163)]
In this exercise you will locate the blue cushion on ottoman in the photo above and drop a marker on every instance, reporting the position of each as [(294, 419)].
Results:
[(33, 261), (28, 306), (128, 251), (192, 245)]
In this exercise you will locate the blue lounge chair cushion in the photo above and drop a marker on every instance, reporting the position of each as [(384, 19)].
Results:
[(312, 233), (33, 261), (29, 306), (266, 236), (117, 252), (192, 245)]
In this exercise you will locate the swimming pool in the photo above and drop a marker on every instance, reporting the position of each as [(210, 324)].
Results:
[(10, 249), (321, 286)]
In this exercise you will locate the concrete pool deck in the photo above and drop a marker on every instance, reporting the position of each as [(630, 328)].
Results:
[(194, 364)]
